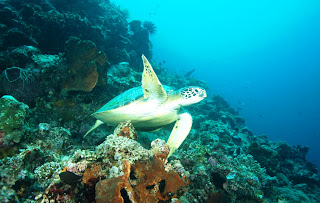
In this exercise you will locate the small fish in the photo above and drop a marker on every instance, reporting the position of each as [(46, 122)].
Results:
[(69, 178), (124, 63), (189, 73)]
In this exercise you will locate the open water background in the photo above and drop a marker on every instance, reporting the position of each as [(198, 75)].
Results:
[(263, 57)]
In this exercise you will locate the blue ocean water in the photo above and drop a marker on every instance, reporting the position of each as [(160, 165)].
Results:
[(261, 56)]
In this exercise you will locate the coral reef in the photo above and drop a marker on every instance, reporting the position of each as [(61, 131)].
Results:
[(28, 74), (60, 61), (118, 169), (16, 172), (237, 166)]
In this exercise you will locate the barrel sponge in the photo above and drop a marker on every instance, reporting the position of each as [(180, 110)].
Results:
[(144, 181)]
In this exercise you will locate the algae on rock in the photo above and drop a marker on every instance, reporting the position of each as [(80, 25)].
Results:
[(12, 118)]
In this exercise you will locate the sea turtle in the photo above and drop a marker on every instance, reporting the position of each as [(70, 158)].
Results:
[(151, 107)]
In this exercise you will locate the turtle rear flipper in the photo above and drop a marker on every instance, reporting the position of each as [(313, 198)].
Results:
[(97, 124), (179, 132)]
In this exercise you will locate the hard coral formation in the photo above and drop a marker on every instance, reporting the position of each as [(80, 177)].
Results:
[(28, 74), (16, 174), (127, 130), (47, 170), (119, 148), (160, 147), (117, 173), (47, 133), (83, 60)]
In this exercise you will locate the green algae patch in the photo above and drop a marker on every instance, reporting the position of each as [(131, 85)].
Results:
[(12, 118)]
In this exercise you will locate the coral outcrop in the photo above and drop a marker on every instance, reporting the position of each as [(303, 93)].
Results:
[(117, 171), (27, 73)]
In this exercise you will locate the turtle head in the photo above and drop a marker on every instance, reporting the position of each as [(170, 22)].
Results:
[(191, 95)]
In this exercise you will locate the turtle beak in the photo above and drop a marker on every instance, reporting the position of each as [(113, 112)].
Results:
[(203, 94)]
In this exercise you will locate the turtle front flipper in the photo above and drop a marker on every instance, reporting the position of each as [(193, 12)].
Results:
[(152, 87), (179, 132), (97, 124)]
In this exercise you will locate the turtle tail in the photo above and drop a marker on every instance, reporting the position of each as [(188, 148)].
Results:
[(97, 124)]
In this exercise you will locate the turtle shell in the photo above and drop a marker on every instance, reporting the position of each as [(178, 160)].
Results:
[(127, 97)]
